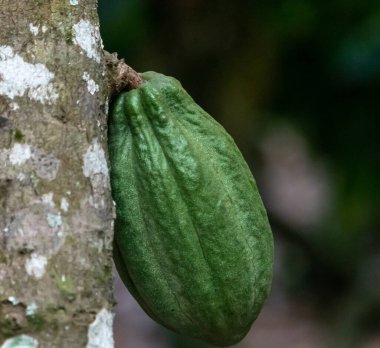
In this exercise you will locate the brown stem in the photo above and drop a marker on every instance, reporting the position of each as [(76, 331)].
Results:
[(121, 76)]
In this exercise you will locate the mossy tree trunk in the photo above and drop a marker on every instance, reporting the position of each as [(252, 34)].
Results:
[(55, 203)]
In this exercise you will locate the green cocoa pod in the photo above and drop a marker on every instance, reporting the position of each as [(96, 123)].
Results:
[(192, 239)]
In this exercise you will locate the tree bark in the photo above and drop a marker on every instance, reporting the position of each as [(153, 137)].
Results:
[(55, 205)]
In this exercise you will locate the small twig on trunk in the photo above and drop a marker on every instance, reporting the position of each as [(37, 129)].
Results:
[(121, 76)]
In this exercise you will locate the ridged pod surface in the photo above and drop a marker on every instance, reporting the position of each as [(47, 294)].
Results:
[(192, 239)]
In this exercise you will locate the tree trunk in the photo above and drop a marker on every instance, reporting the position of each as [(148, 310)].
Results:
[(55, 204)]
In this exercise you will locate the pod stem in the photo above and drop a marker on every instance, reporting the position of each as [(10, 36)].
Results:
[(121, 76)]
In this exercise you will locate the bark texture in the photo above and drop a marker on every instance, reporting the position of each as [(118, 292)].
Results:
[(55, 204)]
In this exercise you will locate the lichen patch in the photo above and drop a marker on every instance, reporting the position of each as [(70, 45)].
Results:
[(87, 37), (106, 106), (92, 86), (30, 310), (34, 29), (20, 77), (14, 300), (21, 341), (94, 160), (64, 204), (85, 76), (100, 331), (47, 199), (14, 106), (35, 265), (54, 220), (20, 153), (95, 167)]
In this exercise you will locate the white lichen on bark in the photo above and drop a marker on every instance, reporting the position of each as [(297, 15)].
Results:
[(22, 341), (64, 204), (31, 310), (92, 87), (20, 77), (100, 331), (94, 161), (87, 36), (19, 154), (34, 29), (35, 266)]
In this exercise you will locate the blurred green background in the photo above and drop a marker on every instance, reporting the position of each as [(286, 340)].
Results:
[(297, 84)]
